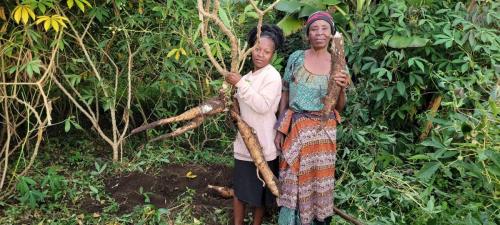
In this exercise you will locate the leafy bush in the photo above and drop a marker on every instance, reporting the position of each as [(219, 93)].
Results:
[(406, 56)]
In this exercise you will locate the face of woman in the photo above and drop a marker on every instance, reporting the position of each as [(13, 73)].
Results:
[(263, 53), (319, 34)]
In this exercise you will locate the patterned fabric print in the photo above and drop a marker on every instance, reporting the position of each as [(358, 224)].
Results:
[(288, 217), (284, 122), (305, 89), (307, 167), (291, 217)]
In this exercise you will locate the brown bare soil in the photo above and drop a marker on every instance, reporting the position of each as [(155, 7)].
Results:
[(165, 188)]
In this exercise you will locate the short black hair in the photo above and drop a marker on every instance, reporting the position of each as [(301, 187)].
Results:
[(267, 30)]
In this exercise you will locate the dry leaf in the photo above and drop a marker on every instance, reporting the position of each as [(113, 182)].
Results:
[(190, 175)]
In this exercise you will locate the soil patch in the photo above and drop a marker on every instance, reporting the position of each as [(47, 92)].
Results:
[(165, 189)]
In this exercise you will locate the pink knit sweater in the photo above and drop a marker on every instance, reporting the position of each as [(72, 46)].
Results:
[(258, 95)]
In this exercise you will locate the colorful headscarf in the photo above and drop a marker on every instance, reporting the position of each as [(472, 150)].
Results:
[(320, 15)]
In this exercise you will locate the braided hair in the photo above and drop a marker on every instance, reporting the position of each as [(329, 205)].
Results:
[(272, 32)]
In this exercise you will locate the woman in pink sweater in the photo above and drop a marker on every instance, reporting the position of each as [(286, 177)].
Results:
[(258, 95)]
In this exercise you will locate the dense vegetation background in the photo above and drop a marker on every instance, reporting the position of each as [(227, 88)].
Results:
[(419, 143)]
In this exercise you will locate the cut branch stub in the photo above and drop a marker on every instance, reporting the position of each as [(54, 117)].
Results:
[(224, 192), (338, 66)]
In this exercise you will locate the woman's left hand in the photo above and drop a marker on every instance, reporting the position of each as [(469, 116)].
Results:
[(233, 78), (342, 79)]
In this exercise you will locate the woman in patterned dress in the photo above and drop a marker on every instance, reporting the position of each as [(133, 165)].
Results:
[(307, 165)]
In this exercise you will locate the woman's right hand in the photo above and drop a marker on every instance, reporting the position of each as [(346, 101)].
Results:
[(233, 78), (278, 140), (342, 79)]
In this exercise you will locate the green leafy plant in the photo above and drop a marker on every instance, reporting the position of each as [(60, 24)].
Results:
[(28, 192), (54, 184)]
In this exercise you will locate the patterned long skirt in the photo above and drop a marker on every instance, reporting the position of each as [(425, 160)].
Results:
[(307, 167)]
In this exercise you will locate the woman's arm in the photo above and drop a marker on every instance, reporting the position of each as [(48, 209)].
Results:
[(280, 137), (342, 79), (260, 101), (283, 106), (341, 100)]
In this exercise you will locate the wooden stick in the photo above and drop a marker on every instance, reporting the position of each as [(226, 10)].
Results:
[(435, 103), (346, 216)]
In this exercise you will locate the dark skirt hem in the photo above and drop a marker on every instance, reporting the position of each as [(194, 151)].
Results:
[(248, 188)]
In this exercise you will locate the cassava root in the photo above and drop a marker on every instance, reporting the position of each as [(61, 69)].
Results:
[(338, 66), (255, 149), (208, 108)]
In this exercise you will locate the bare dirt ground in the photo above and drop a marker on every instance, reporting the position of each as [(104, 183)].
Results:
[(165, 188)]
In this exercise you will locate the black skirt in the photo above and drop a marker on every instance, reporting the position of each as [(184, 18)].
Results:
[(248, 188)]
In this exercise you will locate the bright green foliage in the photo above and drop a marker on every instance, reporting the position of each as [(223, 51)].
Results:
[(28, 193), (401, 55)]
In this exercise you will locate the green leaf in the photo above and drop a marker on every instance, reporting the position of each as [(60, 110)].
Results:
[(42, 8), (419, 79), (307, 10), (464, 67), (420, 65), (80, 5), (225, 19), (29, 70), (70, 3), (380, 71), (67, 125), (76, 125), (330, 2), (93, 189), (428, 170), (433, 143), (397, 41), (86, 3), (401, 88), (420, 157), (389, 74), (367, 65), (389, 93), (252, 15), (290, 25), (288, 6), (380, 95)]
